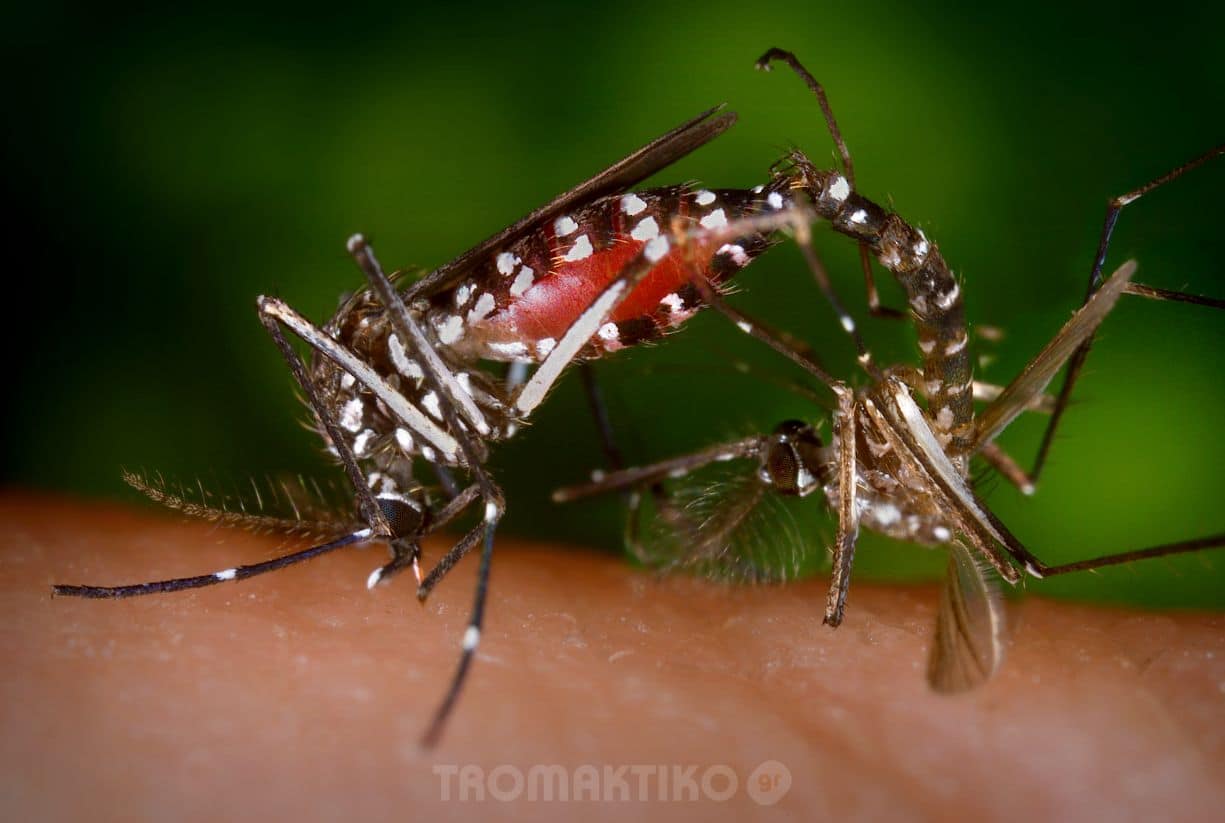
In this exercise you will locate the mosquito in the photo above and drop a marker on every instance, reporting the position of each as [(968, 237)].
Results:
[(898, 458), (399, 379)]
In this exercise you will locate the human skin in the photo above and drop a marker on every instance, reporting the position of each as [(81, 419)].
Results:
[(302, 695)]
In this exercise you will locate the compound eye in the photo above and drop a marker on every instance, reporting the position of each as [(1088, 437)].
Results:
[(781, 466), (405, 520)]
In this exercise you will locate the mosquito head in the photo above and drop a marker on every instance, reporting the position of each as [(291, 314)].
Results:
[(796, 461), (405, 517)]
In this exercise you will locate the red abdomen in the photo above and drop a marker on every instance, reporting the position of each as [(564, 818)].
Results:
[(517, 305)]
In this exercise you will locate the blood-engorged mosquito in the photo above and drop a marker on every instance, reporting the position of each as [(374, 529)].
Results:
[(892, 465), (397, 375)]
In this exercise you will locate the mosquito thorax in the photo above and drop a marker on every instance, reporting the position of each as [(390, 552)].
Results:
[(795, 460)]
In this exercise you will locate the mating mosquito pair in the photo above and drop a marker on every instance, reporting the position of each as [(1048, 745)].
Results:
[(398, 379)]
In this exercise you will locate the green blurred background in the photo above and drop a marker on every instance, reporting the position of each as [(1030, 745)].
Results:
[(168, 166)]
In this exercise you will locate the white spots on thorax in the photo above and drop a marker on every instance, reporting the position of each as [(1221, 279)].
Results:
[(482, 308), (947, 299), (657, 249), (840, 189), (351, 415), (774, 200), (492, 512), (944, 418), (632, 204), (450, 328), (404, 439), (347, 381), (523, 282), (430, 403), (472, 638), (887, 514), (715, 220), (507, 262), (512, 349), (704, 197), (564, 226), (646, 229), (758, 189), (859, 217), (399, 359), (429, 454), (608, 332), (736, 252), (674, 303), (921, 247), (226, 574), (581, 250), (942, 534), (361, 443), (463, 294), (544, 346)]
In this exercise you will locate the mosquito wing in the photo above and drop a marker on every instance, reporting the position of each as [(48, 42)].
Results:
[(661, 152), (968, 644)]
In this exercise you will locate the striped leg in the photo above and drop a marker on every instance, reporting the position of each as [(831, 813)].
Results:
[(1113, 209)]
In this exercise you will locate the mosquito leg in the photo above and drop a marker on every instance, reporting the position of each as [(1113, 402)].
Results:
[(448, 561), (370, 510), (749, 447), (1113, 208), (779, 341), (1003, 463), (235, 573), (848, 515), (446, 479), (848, 168), (405, 411), (472, 638), (452, 400), (599, 413), (1039, 569), (803, 238), (453, 509), (456, 552)]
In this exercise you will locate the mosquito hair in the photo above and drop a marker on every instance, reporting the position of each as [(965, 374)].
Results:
[(232, 510)]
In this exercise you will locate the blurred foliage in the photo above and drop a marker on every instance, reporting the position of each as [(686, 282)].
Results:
[(171, 165)]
